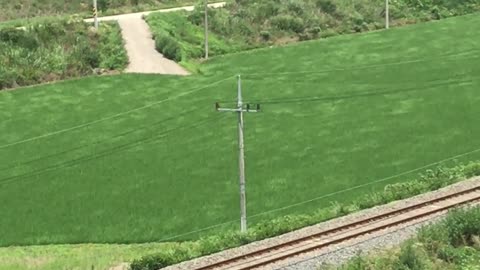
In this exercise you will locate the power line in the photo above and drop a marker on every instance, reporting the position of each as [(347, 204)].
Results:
[(196, 231), (104, 153), (324, 196), (112, 116), (348, 95), (362, 67), (145, 127), (368, 184), (362, 94)]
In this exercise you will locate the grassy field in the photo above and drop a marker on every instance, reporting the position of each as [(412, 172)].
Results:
[(138, 158), (83, 256)]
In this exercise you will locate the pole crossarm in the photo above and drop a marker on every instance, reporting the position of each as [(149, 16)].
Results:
[(245, 108)]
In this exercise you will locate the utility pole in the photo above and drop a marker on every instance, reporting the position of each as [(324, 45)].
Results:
[(387, 14), (95, 14), (206, 29), (240, 109)]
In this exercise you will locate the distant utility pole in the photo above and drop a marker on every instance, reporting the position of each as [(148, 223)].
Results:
[(387, 14), (206, 29), (240, 109), (95, 14)]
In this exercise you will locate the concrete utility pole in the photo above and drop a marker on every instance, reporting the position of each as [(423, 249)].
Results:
[(387, 14), (206, 29), (95, 14), (240, 109)]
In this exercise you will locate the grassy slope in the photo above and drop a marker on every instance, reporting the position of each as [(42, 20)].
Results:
[(58, 50), (252, 24), (22, 9), (295, 150)]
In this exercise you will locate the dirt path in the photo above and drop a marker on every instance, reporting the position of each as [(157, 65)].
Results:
[(141, 50), (141, 47)]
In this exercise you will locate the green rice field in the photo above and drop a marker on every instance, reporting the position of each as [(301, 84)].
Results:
[(142, 158)]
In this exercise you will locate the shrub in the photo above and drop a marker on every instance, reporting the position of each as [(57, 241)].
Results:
[(328, 33), (462, 226), (412, 258), (357, 263), (160, 260), (288, 23), (433, 238), (18, 37), (315, 31), (297, 7), (267, 9), (169, 47), (327, 6), (46, 31), (265, 35), (112, 53)]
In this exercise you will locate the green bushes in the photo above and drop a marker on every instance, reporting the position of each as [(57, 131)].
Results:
[(251, 24), (288, 23), (169, 47), (431, 180), (161, 260), (459, 229), (57, 50), (19, 38), (113, 55), (449, 244), (181, 40)]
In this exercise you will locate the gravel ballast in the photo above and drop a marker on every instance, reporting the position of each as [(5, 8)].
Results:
[(341, 252)]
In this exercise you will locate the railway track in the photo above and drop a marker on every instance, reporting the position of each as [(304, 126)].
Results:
[(259, 258)]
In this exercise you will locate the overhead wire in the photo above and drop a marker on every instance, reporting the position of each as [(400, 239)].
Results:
[(363, 94), (107, 152), (88, 144), (326, 195), (369, 183), (359, 67), (49, 134), (348, 95)]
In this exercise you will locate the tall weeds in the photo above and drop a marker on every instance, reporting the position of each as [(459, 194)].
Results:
[(57, 50)]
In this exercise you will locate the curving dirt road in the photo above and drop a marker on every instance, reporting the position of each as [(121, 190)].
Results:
[(141, 47)]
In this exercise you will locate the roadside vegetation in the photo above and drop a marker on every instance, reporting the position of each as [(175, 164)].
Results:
[(431, 180), (453, 243), (58, 49), (23, 9), (251, 24)]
